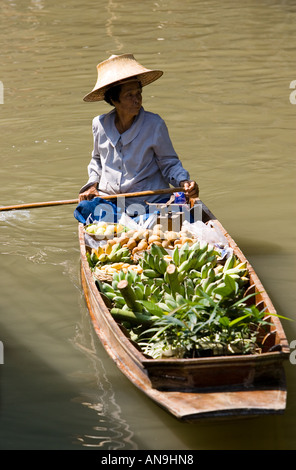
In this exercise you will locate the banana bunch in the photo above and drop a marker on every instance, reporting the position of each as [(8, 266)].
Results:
[(222, 281), (116, 255), (166, 282), (234, 267), (153, 263), (193, 257), (132, 300), (234, 276), (186, 258)]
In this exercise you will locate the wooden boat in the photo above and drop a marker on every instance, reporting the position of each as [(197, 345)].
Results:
[(204, 387)]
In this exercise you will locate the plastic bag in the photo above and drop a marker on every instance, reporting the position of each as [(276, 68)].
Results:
[(142, 222), (208, 233)]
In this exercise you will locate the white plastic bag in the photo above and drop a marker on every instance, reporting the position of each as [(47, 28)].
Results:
[(130, 223), (208, 233)]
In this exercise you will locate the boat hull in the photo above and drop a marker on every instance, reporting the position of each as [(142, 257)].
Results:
[(193, 389)]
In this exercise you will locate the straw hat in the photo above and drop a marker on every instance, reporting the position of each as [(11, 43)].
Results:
[(117, 68)]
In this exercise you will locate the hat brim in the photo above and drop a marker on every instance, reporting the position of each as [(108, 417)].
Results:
[(145, 78)]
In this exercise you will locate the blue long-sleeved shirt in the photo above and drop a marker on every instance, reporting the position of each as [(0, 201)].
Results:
[(142, 158)]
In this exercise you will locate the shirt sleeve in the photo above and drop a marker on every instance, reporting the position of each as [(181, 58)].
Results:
[(95, 167), (167, 159)]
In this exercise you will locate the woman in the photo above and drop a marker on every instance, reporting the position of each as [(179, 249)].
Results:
[(132, 148)]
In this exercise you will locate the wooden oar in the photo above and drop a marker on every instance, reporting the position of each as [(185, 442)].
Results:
[(75, 201)]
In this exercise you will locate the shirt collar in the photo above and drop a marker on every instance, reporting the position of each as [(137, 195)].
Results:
[(112, 133)]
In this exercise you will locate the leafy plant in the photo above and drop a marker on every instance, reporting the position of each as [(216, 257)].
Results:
[(192, 306), (205, 327)]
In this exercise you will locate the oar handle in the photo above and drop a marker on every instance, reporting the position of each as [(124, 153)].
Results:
[(143, 193), (75, 201)]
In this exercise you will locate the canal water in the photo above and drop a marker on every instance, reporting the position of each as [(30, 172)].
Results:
[(227, 98)]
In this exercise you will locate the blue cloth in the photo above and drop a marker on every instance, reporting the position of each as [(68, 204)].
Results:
[(96, 209)]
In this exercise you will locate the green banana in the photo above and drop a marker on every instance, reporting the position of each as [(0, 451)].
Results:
[(150, 261), (229, 263), (195, 248), (122, 254), (241, 267), (158, 281), (181, 276), (203, 246), (205, 283), (116, 277), (110, 295), (205, 270), (183, 253), (103, 258), (128, 293), (194, 274), (211, 274), (147, 291), (240, 272), (172, 279), (118, 300), (114, 284), (129, 277), (105, 287), (121, 275), (133, 317), (161, 265), (211, 287), (175, 256), (139, 293), (151, 273), (143, 262), (200, 261), (186, 265), (157, 250)]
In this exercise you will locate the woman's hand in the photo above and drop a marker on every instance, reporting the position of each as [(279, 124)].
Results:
[(190, 188), (89, 193)]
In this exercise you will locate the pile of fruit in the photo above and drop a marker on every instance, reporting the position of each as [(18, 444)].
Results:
[(101, 230), (181, 299), (137, 240)]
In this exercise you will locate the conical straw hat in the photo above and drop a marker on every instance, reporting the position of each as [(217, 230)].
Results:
[(118, 68)]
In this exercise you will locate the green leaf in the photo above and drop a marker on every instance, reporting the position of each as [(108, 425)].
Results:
[(222, 289), (224, 321), (152, 308), (229, 282), (279, 316), (237, 320)]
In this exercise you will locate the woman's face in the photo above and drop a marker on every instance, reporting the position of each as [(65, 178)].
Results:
[(130, 99)]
